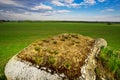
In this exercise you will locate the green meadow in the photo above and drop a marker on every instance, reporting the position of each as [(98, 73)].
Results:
[(14, 36)]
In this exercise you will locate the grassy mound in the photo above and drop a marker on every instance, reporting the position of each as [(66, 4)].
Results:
[(64, 53)]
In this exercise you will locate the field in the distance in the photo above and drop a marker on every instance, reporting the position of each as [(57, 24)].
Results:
[(14, 36)]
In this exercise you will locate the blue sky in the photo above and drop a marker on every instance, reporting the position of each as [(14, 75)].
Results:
[(75, 10)]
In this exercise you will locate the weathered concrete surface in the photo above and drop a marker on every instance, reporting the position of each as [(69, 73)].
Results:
[(18, 70), (87, 70)]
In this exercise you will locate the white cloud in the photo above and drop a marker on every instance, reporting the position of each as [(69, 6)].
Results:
[(75, 5), (69, 1), (101, 0), (42, 7), (57, 3), (63, 11), (107, 18), (54, 12), (53, 15), (10, 2), (107, 10), (11, 15), (91, 2), (110, 10)]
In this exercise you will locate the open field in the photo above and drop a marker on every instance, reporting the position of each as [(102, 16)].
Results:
[(15, 36)]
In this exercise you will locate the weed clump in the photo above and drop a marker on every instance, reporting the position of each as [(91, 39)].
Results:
[(37, 48), (67, 65), (51, 60)]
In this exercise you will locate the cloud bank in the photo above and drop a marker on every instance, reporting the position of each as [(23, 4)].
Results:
[(58, 9)]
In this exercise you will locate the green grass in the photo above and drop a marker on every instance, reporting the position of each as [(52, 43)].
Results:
[(16, 36), (110, 60)]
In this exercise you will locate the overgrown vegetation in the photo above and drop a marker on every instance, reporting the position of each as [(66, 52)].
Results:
[(58, 55), (109, 63)]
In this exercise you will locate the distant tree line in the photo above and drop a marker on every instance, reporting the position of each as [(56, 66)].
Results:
[(108, 23)]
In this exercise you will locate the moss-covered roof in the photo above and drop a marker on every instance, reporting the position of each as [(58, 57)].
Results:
[(64, 53)]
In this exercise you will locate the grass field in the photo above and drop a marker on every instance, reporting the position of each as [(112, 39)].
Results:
[(15, 36)]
